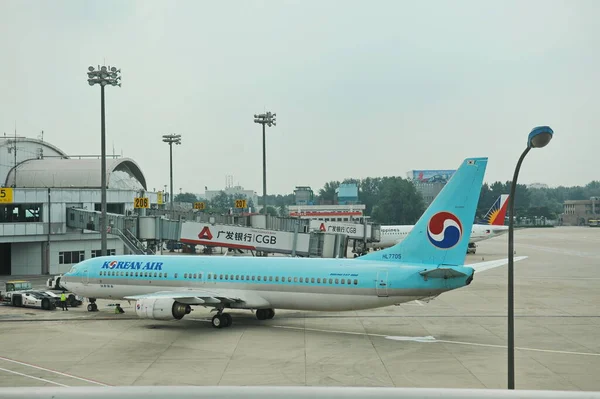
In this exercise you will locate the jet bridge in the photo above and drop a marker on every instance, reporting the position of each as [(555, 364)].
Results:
[(143, 234), (312, 244)]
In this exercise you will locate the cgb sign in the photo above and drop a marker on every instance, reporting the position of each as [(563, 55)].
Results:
[(238, 236), (352, 230)]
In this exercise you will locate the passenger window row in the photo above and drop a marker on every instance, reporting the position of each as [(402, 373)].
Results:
[(307, 280), (137, 274), (236, 277)]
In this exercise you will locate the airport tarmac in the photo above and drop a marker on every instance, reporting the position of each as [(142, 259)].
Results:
[(457, 340)]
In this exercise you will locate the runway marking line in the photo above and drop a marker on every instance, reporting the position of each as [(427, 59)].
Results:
[(429, 340), (53, 371), (35, 378)]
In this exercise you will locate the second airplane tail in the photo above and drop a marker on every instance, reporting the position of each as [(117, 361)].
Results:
[(497, 213), (441, 235)]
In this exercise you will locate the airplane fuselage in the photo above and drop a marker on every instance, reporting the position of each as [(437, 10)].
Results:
[(276, 282), (391, 235)]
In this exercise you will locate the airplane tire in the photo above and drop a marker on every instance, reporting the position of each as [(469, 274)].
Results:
[(217, 321), (90, 307), (227, 319)]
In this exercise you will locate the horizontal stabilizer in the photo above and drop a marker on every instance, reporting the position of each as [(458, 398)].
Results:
[(483, 266), (442, 272)]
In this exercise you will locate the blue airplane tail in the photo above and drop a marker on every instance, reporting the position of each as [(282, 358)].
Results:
[(441, 235)]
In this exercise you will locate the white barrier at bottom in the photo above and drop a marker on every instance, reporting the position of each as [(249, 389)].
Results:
[(176, 392)]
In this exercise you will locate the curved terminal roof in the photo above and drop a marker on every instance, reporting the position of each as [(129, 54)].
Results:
[(31, 146), (121, 173)]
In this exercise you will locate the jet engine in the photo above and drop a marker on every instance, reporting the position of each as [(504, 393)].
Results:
[(161, 309)]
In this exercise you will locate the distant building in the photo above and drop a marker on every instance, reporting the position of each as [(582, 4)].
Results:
[(337, 213), (579, 212), (347, 194), (430, 182), (236, 191), (304, 195)]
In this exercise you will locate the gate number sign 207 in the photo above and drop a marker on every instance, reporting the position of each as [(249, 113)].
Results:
[(141, 202)]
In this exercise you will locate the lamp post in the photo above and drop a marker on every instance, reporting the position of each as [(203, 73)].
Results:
[(538, 138), (103, 76), (268, 119), (171, 138)]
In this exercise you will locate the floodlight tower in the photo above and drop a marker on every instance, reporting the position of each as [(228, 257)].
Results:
[(103, 76), (268, 119), (171, 139)]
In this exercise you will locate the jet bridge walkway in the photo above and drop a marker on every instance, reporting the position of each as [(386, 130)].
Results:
[(256, 233)]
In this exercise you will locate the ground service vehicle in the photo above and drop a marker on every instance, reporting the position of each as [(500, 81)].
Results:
[(32, 299)]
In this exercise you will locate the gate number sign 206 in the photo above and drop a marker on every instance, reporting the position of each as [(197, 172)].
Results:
[(141, 202)]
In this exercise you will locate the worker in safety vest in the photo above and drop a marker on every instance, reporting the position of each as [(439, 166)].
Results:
[(63, 301), (119, 309)]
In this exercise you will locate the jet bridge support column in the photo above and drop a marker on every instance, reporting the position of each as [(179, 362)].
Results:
[(295, 243)]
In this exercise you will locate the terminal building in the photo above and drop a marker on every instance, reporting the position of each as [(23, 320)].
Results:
[(580, 212), (39, 183)]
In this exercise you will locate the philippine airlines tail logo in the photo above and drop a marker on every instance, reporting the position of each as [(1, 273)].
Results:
[(444, 230), (497, 212)]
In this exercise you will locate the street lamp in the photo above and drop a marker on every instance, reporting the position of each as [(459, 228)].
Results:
[(538, 138), (103, 76), (265, 119), (172, 139)]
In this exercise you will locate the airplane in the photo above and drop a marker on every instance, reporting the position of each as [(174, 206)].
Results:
[(493, 227), (427, 263)]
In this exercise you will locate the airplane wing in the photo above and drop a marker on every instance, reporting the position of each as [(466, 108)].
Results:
[(483, 266), (208, 297)]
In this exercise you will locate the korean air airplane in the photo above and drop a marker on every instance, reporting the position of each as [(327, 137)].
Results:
[(427, 263), (492, 227)]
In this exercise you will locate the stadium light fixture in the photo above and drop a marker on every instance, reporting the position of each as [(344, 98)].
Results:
[(268, 119), (100, 77)]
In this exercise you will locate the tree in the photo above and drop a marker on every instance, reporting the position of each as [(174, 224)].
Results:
[(283, 211), (185, 197), (270, 211), (368, 192), (278, 200), (222, 202), (327, 193), (399, 202)]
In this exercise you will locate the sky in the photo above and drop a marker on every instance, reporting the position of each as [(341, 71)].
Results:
[(360, 88)]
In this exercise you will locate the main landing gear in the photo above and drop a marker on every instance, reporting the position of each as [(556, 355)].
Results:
[(92, 307), (222, 320)]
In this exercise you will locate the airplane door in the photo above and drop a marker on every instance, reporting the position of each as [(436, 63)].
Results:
[(86, 276), (382, 283)]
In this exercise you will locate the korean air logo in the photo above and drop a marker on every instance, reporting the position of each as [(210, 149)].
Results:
[(112, 264), (444, 230)]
